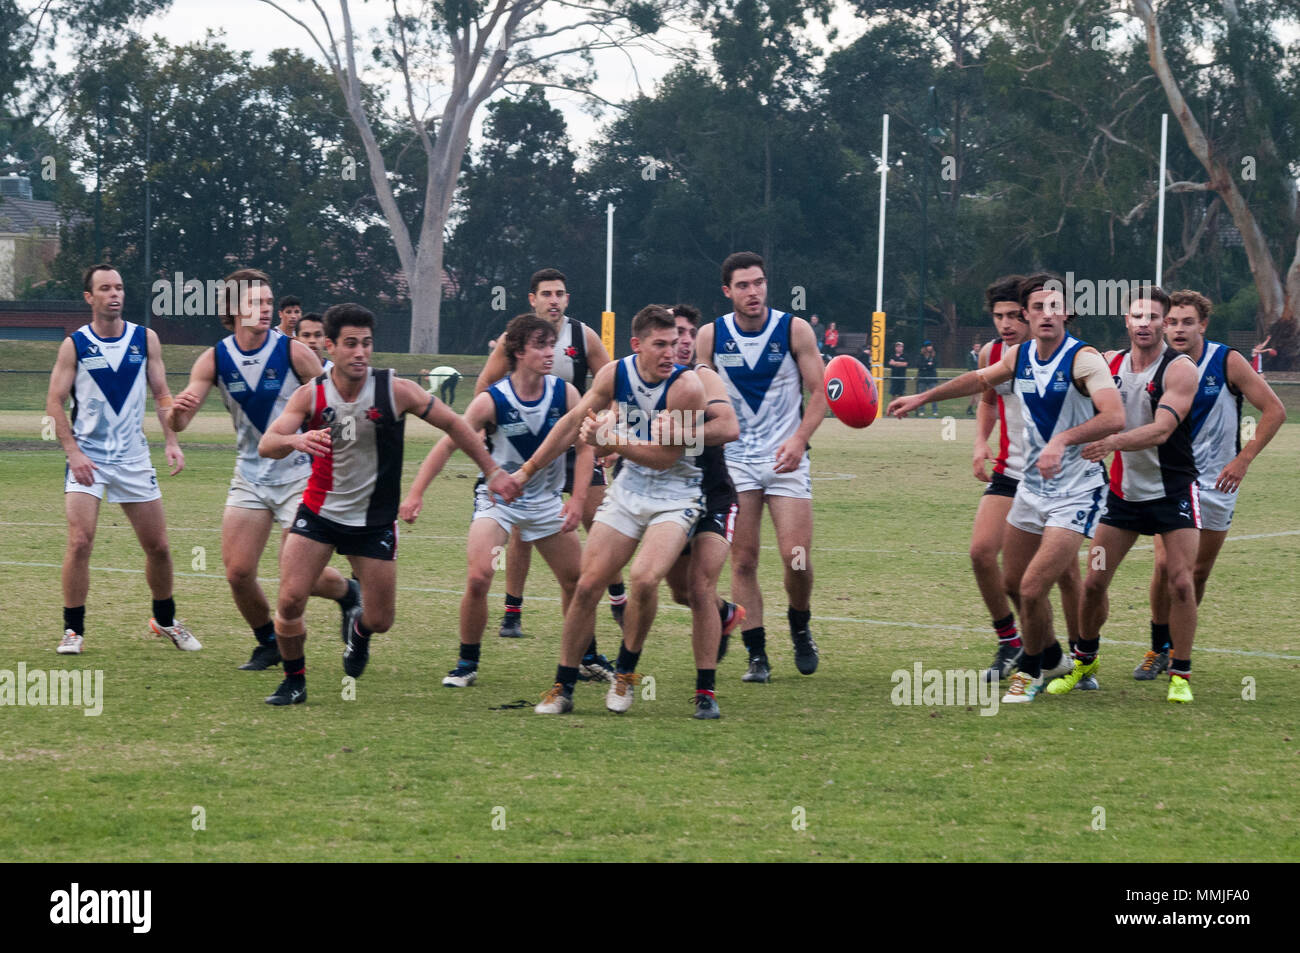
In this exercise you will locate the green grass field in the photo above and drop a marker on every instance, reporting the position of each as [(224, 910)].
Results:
[(410, 770)]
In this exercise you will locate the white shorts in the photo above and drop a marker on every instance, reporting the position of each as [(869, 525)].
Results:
[(751, 475), (533, 522), (119, 483), (1033, 513), (632, 513), (281, 500), (1216, 509)]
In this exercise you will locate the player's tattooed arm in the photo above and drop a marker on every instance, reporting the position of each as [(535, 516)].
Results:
[(285, 435), (156, 376), (812, 371), (187, 403), (62, 379), (479, 411), (1272, 415)]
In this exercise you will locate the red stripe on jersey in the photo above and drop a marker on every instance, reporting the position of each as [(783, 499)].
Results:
[(321, 480), (1004, 438), (1196, 504), (1117, 465)]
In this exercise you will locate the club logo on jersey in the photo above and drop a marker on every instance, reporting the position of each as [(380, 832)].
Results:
[(249, 362), (270, 373), (373, 413), (1151, 387), (328, 415), (134, 356), (730, 345), (570, 351), (834, 387), (1059, 384), (235, 385), (93, 348)]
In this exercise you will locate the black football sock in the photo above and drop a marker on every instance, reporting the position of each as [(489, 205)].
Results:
[(1032, 665), (627, 659), (798, 618), (591, 649), (295, 670), (756, 641), (1085, 650), (164, 612), (1159, 636), (1052, 655), (617, 594), (514, 605), (1181, 667), (724, 610), (75, 619), (468, 656), (567, 677), (265, 634), (705, 679), (349, 599), (1007, 632)]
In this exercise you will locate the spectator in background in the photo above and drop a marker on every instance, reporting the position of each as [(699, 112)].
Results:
[(973, 364), (927, 373), (821, 334), (442, 381), (1259, 352), (832, 341), (290, 312), (898, 365)]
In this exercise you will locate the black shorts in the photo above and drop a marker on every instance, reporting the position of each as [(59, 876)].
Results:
[(1001, 485), (721, 520), (371, 542), (1154, 517), (597, 473)]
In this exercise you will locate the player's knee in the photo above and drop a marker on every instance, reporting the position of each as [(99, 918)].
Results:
[(80, 544), (1095, 585), (744, 562), (983, 556), (703, 595), (1034, 588), (478, 582), (642, 581), (376, 620), (681, 594), (240, 576), (157, 548), (590, 587), (1182, 586)]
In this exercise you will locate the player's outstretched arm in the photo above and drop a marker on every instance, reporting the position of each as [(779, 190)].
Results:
[(812, 371), (972, 382), (433, 463), (1272, 414), (283, 437), (584, 465), (156, 376), (187, 403), (410, 398), (565, 432), (62, 379)]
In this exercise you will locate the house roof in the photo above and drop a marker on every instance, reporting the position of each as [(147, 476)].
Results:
[(28, 215)]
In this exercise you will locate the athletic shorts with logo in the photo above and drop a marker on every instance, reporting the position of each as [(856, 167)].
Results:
[(1033, 512), (370, 542), (1153, 517), (760, 475), (533, 522), (1216, 509), (1001, 485), (281, 500), (119, 483), (631, 513)]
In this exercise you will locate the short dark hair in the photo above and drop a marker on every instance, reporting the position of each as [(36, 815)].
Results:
[(1157, 294), (90, 273), (1006, 288), (738, 260), (1194, 299), (653, 317), (691, 314), (520, 331), (1037, 282), (349, 315), (311, 316), (546, 274), (288, 301), (233, 283)]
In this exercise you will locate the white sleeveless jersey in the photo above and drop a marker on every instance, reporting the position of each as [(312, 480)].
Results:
[(637, 403), (108, 395), (1011, 424), (255, 386), (358, 483), (1216, 414), (1051, 403), (521, 426), (1156, 472), (763, 382)]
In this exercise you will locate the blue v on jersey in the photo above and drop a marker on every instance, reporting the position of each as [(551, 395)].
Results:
[(763, 382), (108, 395), (255, 387), (521, 426)]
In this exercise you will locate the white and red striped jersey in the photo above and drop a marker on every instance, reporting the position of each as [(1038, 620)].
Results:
[(359, 482), (1156, 472)]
